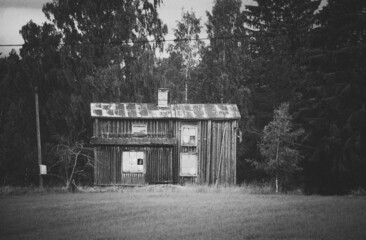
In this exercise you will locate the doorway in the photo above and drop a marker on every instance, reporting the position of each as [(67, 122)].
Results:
[(159, 166)]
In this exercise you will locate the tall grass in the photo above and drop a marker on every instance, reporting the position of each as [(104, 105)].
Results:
[(256, 188), (13, 190)]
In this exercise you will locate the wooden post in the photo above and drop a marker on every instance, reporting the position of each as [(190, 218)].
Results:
[(38, 138)]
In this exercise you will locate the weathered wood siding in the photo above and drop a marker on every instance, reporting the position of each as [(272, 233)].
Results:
[(159, 166), (216, 151), (108, 169), (222, 161), (122, 128)]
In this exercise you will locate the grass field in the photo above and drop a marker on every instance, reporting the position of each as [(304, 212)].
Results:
[(181, 213)]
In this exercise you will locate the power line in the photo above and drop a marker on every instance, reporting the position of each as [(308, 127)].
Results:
[(130, 42)]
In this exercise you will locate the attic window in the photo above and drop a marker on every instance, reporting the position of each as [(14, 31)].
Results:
[(139, 130), (189, 135), (133, 162), (188, 164)]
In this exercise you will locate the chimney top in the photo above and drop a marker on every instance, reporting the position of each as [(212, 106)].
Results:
[(163, 97)]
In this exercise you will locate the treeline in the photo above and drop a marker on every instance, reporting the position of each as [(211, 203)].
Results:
[(258, 57)]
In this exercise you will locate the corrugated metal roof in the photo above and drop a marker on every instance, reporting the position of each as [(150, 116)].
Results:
[(177, 111)]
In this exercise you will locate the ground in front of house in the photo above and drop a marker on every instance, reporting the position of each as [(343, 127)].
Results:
[(181, 213)]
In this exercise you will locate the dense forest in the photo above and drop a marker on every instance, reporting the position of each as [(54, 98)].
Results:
[(312, 58)]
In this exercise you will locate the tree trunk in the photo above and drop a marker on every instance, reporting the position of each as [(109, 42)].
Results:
[(278, 146)]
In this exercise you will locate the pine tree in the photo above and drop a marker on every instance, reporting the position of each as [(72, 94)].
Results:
[(332, 107), (281, 159)]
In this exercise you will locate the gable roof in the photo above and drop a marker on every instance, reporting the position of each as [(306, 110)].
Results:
[(173, 111)]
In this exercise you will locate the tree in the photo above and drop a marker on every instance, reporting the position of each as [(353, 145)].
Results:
[(90, 50), (333, 99), (281, 159), (225, 60), (280, 25), (104, 59), (73, 160), (187, 47), (17, 124), (169, 74), (277, 33)]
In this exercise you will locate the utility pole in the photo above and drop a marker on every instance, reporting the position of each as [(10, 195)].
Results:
[(38, 138)]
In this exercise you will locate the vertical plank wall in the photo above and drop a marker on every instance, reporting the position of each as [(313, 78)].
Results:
[(223, 152), (122, 128), (216, 151), (108, 169)]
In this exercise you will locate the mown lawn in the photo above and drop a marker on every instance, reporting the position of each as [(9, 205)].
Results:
[(180, 213)]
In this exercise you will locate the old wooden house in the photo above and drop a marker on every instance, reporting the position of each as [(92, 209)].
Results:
[(138, 143)]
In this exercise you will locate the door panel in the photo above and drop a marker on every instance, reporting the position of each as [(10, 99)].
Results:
[(159, 166)]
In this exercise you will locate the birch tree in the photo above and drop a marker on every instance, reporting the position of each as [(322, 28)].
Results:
[(188, 45)]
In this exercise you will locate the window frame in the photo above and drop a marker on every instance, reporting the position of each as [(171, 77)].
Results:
[(181, 162), (139, 134), (191, 126), (126, 171)]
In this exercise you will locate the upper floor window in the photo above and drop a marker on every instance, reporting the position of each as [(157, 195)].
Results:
[(189, 135), (139, 130)]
